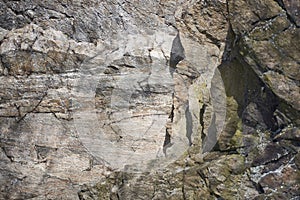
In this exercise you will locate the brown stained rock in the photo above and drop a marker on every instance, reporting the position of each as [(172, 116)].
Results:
[(271, 153), (284, 180), (197, 21), (245, 14), (265, 30), (267, 43), (285, 42), (284, 88)]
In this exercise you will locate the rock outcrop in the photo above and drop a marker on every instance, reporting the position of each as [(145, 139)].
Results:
[(149, 99)]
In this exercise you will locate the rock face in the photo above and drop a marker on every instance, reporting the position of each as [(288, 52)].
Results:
[(149, 99)]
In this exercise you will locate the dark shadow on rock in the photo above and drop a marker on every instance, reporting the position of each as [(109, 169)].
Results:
[(257, 105), (177, 53)]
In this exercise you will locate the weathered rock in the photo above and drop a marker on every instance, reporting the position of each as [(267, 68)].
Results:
[(267, 41), (292, 8), (125, 99)]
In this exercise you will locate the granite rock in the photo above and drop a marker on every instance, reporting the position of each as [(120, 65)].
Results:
[(155, 99)]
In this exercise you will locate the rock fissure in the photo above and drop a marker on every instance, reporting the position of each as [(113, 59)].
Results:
[(289, 17), (143, 70), (34, 108)]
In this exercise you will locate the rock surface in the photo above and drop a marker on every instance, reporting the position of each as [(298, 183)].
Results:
[(149, 99)]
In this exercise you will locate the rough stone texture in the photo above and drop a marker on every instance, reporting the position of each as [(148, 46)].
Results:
[(267, 38), (125, 99)]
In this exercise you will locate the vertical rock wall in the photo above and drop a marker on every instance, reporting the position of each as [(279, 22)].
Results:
[(149, 99)]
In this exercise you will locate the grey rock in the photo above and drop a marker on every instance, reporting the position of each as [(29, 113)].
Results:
[(149, 99)]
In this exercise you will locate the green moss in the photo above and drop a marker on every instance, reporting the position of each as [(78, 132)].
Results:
[(237, 139), (230, 189), (233, 126), (103, 191)]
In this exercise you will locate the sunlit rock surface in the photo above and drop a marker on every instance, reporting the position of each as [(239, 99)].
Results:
[(149, 99)]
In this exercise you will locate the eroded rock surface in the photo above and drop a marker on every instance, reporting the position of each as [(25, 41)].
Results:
[(149, 99)]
